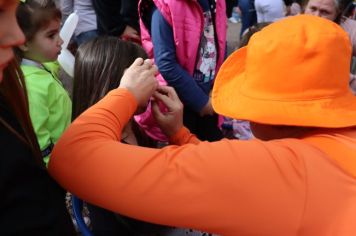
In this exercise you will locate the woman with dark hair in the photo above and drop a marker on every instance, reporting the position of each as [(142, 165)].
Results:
[(31, 202), (99, 66)]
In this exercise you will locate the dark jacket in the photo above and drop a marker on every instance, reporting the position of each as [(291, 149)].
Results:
[(31, 202), (114, 15)]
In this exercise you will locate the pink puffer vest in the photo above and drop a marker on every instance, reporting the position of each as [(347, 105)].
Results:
[(187, 21)]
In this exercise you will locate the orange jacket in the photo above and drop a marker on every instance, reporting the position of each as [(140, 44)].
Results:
[(279, 187)]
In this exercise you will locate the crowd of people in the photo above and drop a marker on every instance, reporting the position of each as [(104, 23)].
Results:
[(142, 138)]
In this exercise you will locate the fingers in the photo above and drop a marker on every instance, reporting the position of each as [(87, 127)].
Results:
[(144, 64), (169, 91), (168, 102), (168, 97), (156, 110), (169, 117), (148, 62), (147, 65), (138, 62)]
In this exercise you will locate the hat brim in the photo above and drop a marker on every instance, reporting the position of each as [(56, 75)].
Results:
[(229, 100)]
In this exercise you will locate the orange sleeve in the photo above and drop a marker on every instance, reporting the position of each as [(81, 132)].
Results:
[(226, 187), (183, 136)]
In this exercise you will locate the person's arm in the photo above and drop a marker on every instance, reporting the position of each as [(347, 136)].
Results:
[(109, 18), (183, 136), (222, 187), (165, 58)]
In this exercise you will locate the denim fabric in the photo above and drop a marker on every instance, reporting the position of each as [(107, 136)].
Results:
[(248, 14)]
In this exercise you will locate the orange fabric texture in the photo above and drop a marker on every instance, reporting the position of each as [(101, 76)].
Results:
[(183, 136), (293, 72), (281, 187)]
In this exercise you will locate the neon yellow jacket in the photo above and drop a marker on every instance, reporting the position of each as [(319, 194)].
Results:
[(50, 104)]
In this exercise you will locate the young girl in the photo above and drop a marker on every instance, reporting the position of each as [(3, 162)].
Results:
[(50, 105), (99, 66), (31, 202)]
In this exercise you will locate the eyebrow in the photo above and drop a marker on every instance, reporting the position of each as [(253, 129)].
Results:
[(54, 31)]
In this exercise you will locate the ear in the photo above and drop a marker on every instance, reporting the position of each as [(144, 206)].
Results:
[(23, 47)]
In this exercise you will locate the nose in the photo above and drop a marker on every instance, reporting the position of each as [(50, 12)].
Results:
[(59, 40), (13, 35)]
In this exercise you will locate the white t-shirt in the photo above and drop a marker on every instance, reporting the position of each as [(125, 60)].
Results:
[(85, 11), (269, 10)]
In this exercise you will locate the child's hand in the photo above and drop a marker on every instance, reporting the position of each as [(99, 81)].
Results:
[(170, 119), (140, 79)]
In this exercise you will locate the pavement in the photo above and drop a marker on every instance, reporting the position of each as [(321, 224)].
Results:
[(233, 32)]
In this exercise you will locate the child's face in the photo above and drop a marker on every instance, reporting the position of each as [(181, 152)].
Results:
[(46, 44), (10, 33)]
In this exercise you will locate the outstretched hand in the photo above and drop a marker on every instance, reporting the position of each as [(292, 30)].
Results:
[(169, 119), (140, 79)]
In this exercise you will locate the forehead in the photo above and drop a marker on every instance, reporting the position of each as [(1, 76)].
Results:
[(53, 24), (329, 4)]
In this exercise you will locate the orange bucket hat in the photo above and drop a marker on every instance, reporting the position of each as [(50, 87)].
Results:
[(293, 72)]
